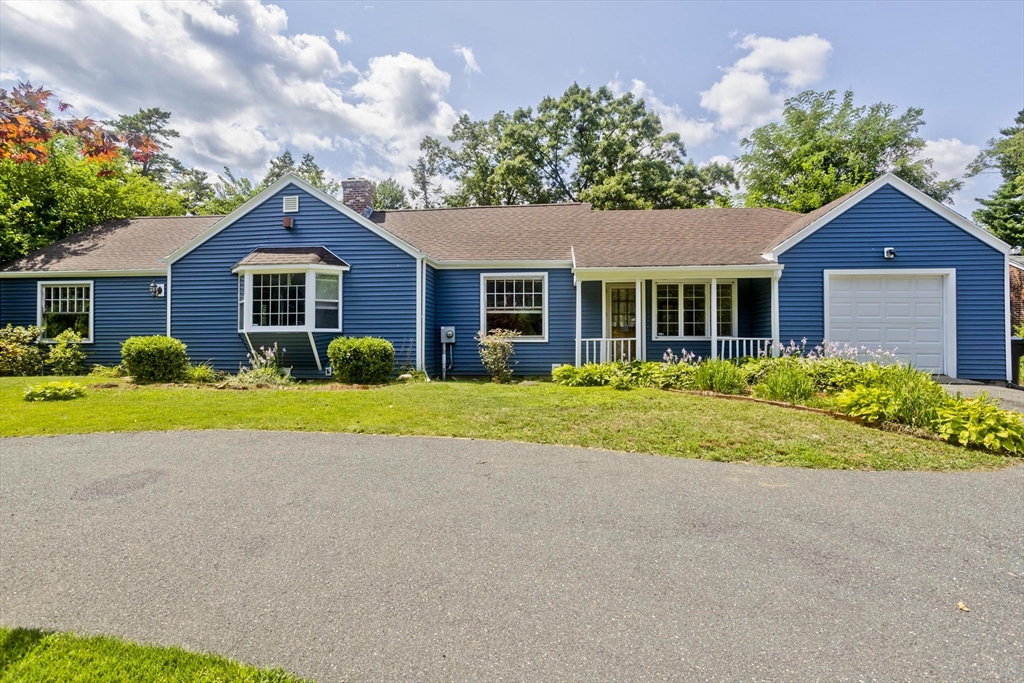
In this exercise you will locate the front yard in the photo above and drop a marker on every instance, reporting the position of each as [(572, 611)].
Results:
[(641, 421)]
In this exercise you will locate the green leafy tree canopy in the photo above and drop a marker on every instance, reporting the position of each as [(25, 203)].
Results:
[(824, 148), (585, 146), (1003, 211), (388, 195)]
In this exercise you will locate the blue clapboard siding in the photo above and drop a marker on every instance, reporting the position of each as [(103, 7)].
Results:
[(122, 307), (458, 304), (432, 355), (378, 295), (922, 239), (591, 309)]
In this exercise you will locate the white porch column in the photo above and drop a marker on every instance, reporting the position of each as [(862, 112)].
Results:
[(579, 319), (714, 318), (775, 312), (639, 352)]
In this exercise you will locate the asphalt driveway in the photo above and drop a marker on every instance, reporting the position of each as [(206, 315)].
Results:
[(346, 557)]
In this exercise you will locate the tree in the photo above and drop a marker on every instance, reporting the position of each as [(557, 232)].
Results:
[(389, 195), (229, 192), (146, 136), (823, 149), (309, 171), (1003, 212), (43, 202), (27, 125), (585, 146)]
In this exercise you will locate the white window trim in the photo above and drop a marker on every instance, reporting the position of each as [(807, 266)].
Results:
[(310, 274), (66, 283), (484, 277), (707, 309), (948, 303)]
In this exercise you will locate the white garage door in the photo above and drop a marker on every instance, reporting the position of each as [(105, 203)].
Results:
[(901, 312)]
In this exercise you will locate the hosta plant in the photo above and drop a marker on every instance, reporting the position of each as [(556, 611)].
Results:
[(980, 423), (54, 391)]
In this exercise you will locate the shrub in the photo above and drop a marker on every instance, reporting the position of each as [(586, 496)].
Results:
[(361, 360), (788, 382), (496, 351), (112, 371), (66, 356), (202, 373), (901, 394), (589, 375), (248, 377), (155, 359), (868, 403), (978, 422), (54, 391), (20, 351), (676, 376), (720, 376), (834, 374)]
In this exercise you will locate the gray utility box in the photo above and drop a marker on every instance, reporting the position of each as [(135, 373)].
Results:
[(448, 335)]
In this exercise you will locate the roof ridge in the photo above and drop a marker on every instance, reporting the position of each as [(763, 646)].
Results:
[(484, 206)]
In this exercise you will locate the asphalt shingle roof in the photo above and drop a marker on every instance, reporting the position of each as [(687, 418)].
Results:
[(125, 244), (283, 256)]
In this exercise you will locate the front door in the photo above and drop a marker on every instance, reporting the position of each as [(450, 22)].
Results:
[(621, 322)]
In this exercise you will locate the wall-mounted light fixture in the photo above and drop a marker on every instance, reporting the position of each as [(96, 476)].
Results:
[(889, 252), (155, 289)]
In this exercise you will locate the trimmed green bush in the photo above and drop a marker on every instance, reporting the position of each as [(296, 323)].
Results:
[(66, 356), (719, 376), (361, 360), (980, 423), (788, 382), (21, 353), (155, 359), (54, 391)]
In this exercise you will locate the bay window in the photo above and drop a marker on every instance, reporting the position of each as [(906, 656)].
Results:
[(683, 309), (289, 300), (65, 306), (515, 302)]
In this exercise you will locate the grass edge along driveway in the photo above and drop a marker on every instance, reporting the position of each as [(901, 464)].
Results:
[(641, 421), (32, 655)]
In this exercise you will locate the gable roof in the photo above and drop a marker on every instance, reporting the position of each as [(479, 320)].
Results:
[(285, 180), (130, 244), (811, 222)]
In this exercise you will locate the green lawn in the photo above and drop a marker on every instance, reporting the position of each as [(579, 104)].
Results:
[(643, 421), (30, 656)]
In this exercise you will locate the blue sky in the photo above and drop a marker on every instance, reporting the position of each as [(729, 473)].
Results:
[(359, 84)]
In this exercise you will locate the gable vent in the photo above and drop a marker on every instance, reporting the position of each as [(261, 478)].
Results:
[(291, 204)]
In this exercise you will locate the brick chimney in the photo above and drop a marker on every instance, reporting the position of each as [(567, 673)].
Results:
[(357, 194)]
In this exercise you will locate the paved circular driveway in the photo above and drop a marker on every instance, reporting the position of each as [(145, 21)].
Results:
[(346, 557)]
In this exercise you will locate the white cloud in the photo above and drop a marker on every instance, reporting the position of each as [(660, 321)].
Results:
[(342, 37), (752, 91), (950, 156), (692, 131), (240, 86), (470, 59)]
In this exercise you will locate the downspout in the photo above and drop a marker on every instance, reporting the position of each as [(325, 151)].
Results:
[(421, 311), (167, 293)]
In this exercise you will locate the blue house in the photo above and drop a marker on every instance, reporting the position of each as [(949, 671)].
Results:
[(884, 266)]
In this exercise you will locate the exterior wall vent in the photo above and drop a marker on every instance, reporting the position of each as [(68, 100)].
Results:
[(291, 204)]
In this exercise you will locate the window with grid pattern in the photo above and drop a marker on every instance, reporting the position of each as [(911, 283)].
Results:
[(668, 310), (279, 299), (66, 307), (515, 304), (725, 304), (694, 305)]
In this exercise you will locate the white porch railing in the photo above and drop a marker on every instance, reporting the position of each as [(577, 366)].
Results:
[(740, 347), (605, 350)]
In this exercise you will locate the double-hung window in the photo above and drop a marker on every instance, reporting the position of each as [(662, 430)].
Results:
[(65, 306), (516, 302), (683, 309), (328, 301)]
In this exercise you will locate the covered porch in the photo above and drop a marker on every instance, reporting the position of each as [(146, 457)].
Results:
[(625, 314)]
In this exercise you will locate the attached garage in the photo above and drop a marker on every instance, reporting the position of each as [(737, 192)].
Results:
[(911, 312)]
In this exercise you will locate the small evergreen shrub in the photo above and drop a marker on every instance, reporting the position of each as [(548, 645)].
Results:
[(496, 351), (66, 356), (21, 353), (361, 360), (788, 382), (203, 373), (980, 423), (155, 359), (54, 391), (719, 376)]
